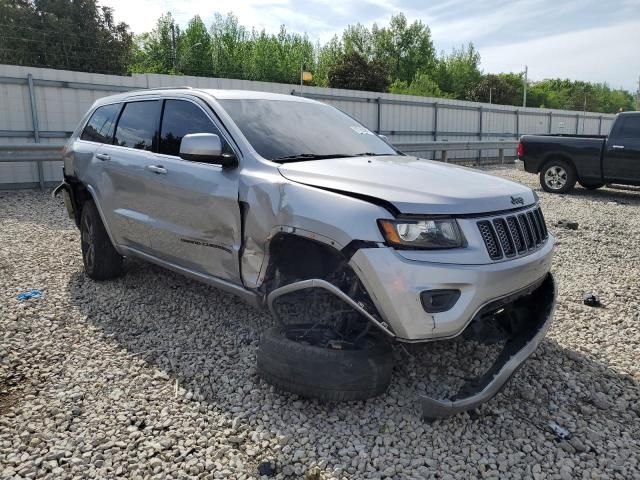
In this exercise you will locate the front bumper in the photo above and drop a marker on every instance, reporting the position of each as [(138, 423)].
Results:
[(538, 306), (394, 284)]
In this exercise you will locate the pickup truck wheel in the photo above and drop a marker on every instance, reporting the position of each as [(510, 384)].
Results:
[(591, 186), (557, 176), (101, 261), (323, 373)]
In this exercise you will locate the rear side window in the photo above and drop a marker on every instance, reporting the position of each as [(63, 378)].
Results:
[(181, 118), (137, 125), (101, 124), (629, 127)]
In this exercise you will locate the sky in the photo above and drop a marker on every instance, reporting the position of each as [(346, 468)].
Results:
[(593, 40)]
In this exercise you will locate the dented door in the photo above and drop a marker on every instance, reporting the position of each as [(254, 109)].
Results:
[(195, 211)]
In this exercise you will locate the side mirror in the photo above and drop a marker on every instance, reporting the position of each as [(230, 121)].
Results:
[(206, 148)]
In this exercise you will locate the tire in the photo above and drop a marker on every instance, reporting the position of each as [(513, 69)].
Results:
[(101, 261), (557, 176), (590, 186), (323, 373)]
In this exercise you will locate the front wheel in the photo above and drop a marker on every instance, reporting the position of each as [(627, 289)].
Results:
[(557, 176), (290, 359)]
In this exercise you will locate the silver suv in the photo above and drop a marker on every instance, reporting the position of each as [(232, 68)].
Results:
[(296, 207)]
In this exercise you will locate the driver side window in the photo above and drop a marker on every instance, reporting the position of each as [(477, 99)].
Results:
[(181, 118)]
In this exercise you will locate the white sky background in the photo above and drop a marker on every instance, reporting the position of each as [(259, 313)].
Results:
[(594, 40)]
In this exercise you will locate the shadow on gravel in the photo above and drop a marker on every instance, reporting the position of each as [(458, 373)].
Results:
[(206, 340)]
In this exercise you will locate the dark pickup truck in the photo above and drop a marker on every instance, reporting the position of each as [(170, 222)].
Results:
[(590, 160)]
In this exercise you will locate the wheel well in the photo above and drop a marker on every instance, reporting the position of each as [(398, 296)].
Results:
[(293, 258), (79, 196), (555, 157)]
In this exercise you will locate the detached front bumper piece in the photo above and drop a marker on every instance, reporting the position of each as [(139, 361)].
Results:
[(535, 310)]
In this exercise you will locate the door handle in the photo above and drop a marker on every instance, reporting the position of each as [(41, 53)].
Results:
[(617, 147), (157, 169), (103, 156)]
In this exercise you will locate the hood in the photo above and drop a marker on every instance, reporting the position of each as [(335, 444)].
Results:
[(413, 185)]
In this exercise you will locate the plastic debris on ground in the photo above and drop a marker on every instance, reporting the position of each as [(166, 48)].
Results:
[(29, 294), (567, 224), (559, 431), (591, 300), (267, 469)]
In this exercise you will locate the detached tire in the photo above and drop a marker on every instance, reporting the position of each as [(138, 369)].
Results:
[(590, 186), (323, 373), (558, 176), (101, 261)]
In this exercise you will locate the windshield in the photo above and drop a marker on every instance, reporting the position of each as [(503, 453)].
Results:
[(284, 130)]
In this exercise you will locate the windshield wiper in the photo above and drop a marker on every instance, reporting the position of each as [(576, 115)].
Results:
[(301, 157), (372, 154)]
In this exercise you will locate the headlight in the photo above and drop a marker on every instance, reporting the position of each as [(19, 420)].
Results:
[(427, 234)]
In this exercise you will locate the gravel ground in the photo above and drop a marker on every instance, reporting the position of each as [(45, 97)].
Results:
[(153, 375)]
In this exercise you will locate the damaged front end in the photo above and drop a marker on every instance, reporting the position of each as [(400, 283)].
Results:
[(520, 323), (516, 324)]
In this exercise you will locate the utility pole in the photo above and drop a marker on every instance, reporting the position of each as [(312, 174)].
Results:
[(524, 97), (638, 96), (490, 90)]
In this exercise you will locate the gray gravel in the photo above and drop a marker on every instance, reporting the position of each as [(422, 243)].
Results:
[(153, 375)]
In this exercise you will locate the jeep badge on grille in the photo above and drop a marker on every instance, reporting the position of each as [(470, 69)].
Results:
[(517, 201)]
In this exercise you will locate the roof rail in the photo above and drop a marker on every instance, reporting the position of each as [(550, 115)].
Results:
[(183, 87)]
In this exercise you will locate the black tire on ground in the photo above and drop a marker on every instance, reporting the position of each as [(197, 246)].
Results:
[(558, 176), (590, 186), (323, 373), (101, 261)]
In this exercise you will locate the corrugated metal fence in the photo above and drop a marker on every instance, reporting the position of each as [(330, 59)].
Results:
[(44, 105)]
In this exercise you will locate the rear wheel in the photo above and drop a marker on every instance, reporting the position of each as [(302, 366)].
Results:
[(557, 176), (101, 261), (591, 186)]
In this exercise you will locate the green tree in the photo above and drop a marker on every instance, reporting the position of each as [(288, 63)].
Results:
[(358, 39), (229, 45), (405, 49), (194, 50), (69, 34), (459, 71), (422, 85), (355, 72), (155, 51), (326, 57), (577, 95), (503, 89)]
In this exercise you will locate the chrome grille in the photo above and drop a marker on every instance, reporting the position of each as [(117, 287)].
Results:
[(513, 235)]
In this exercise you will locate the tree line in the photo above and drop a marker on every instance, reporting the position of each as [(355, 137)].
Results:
[(399, 57)]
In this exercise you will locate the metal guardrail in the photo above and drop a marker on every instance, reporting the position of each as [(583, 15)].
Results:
[(444, 147), (51, 152), (32, 152)]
